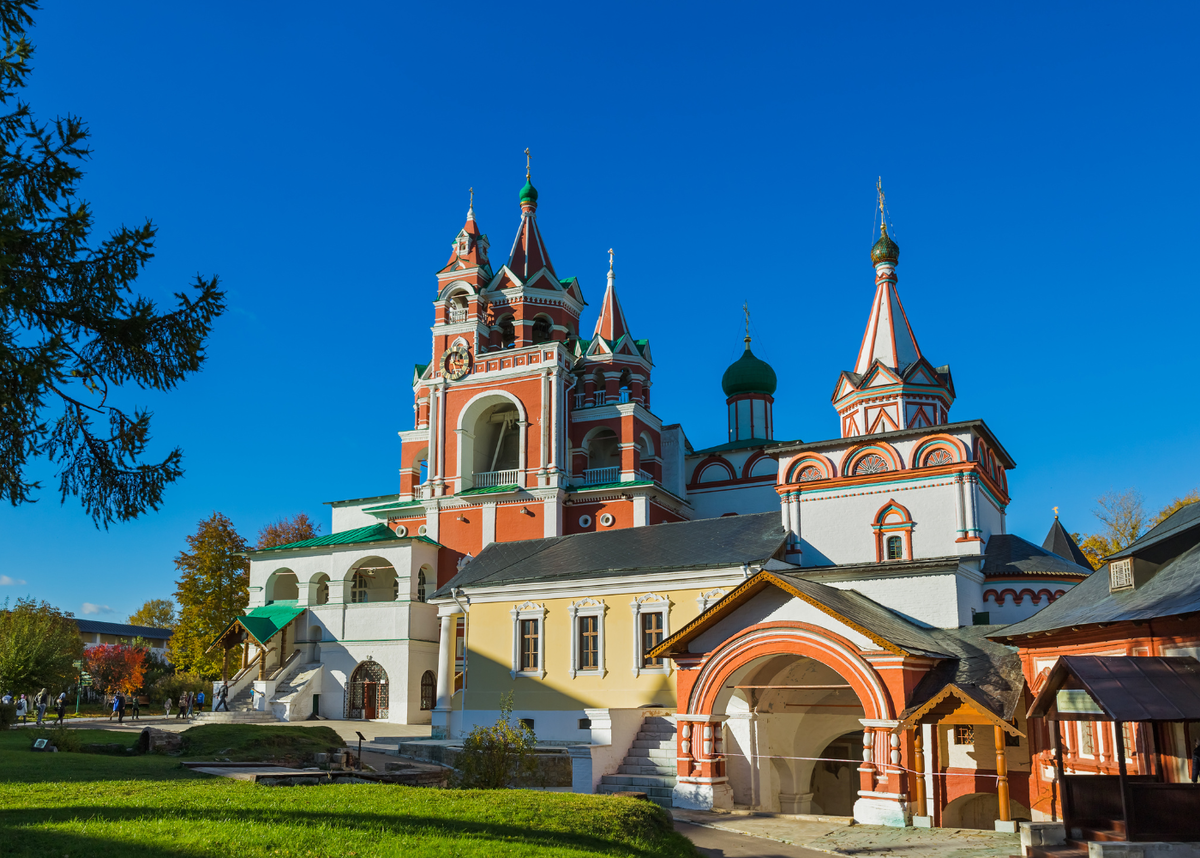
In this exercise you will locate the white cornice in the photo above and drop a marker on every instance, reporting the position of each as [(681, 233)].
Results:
[(577, 587)]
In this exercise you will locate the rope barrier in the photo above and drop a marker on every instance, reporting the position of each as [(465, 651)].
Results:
[(886, 766)]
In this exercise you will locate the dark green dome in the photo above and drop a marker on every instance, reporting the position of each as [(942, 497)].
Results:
[(529, 192), (748, 374), (885, 250)]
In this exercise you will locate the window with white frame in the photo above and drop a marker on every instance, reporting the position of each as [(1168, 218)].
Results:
[(651, 613), (529, 640), (587, 637), (358, 588)]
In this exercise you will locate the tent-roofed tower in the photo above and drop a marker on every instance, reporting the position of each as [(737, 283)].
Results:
[(892, 385), (1063, 544)]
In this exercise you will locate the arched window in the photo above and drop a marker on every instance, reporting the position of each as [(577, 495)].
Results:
[(810, 473), (421, 586), (541, 329), (358, 589), (323, 591), (895, 548), (508, 336), (396, 588), (428, 690)]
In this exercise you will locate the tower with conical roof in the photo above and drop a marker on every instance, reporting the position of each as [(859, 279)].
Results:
[(892, 385)]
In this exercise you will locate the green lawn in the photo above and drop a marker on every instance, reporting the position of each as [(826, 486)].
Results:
[(84, 805)]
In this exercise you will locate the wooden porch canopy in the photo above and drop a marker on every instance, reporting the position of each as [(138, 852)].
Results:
[(1124, 689), (261, 624)]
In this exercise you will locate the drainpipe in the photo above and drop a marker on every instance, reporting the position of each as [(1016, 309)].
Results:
[(466, 648)]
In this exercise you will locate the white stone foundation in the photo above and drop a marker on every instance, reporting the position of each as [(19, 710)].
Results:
[(692, 796), (879, 811)]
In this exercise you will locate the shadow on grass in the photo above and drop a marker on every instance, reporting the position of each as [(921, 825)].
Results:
[(18, 831)]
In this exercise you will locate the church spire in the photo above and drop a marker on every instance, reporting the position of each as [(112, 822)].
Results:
[(529, 254), (611, 325), (889, 337)]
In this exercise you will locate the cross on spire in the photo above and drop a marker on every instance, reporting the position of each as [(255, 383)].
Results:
[(527, 162), (746, 311), (882, 215), (610, 259), (1056, 512)]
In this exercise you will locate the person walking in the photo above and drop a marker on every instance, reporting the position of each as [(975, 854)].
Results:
[(60, 708), (135, 715), (167, 707), (222, 698), (120, 707), (182, 706), (112, 713), (42, 700), (200, 702), (23, 709), (191, 702)]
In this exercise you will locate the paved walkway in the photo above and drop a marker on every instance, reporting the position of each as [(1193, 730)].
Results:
[(379, 735), (811, 836), (717, 843)]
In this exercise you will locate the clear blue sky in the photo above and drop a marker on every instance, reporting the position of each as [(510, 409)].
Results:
[(1039, 161)]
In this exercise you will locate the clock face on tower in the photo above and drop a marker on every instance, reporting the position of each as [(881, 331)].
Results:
[(456, 362)]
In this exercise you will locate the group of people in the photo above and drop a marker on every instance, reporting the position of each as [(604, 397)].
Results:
[(37, 706), (189, 702), (120, 701)]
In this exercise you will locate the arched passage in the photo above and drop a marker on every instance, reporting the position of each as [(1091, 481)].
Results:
[(282, 586), (367, 692), (371, 580)]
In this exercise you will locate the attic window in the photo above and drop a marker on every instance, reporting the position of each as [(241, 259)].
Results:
[(964, 734), (1120, 574)]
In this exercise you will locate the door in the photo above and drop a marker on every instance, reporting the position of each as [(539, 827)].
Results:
[(369, 699)]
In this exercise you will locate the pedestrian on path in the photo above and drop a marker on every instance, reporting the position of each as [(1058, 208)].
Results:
[(222, 698), (183, 701), (60, 707), (42, 700), (191, 699), (23, 709), (113, 712), (7, 699), (200, 702), (167, 706), (120, 708), (135, 715)]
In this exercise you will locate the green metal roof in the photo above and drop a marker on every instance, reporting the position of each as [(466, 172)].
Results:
[(490, 490), (394, 507), (748, 374), (370, 533), (612, 485), (264, 623)]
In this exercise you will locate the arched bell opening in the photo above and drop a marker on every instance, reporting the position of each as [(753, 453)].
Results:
[(372, 580), (367, 692)]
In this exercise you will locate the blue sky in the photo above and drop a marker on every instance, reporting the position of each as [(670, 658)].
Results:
[(1038, 159)]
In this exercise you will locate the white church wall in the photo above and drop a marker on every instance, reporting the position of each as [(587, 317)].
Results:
[(772, 605), (743, 500), (836, 527), (931, 599), (348, 515), (673, 446)]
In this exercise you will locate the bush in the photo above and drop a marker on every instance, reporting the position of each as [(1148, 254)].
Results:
[(8, 715), (60, 737), (174, 685), (493, 757)]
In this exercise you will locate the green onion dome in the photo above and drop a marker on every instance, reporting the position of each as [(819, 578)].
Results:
[(748, 374), (885, 250), (529, 192)]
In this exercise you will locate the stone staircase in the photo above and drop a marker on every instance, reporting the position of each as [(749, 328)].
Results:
[(649, 766), (240, 712)]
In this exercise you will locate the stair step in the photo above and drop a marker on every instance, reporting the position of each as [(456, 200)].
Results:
[(652, 753), (643, 743), (661, 793), (664, 771), (639, 780), (659, 720)]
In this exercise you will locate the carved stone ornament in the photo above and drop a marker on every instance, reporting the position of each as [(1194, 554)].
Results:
[(456, 362)]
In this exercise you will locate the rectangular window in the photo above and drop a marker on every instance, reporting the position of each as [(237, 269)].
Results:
[(1120, 574), (1011, 741), (529, 644), (589, 643), (964, 734), (895, 548), (652, 636), (1087, 739)]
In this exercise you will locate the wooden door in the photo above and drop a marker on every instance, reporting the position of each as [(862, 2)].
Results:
[(369, 697)]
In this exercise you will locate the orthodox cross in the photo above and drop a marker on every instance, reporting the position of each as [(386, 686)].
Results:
[(610, 259), (471, 191), (882, 216), (746, 310), (527, 159), (1056, 512)]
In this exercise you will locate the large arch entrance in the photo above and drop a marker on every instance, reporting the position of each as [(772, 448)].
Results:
[(367, 692)]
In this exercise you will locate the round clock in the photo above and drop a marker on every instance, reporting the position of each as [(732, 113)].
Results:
[(456, 362)]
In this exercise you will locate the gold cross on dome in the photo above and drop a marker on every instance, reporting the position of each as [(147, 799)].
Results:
[(527, 161), (882, 216)]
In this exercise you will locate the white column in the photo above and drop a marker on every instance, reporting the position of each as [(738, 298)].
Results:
[(972, 509), (431, 464), (442, 435), (960, 510), (488, 512), (445, 679), (544, 455), (641, 511), (555, 399)]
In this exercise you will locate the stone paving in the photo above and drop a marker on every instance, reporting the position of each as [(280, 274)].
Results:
[(833, 835)]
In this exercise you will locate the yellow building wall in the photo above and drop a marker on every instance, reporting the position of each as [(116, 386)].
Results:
[(490, 647)]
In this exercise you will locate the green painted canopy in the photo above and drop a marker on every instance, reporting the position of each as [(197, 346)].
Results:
[(263, 623), (748, 374)]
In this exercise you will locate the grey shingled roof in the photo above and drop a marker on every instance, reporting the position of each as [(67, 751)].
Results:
[(1008, 555), (1176, 525), (122, 630), (870, 615), (1174, 590), (989, 672), (1060, 542), (706, 543)]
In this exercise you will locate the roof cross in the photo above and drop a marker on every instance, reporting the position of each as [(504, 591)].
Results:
[(746, 310), (882, 216), (527, 162), (1056, 512), (610, 259)]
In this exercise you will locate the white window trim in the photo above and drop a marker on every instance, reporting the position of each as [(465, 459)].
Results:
[(709, 598), (647, 604), (528, 611), (587, 608)]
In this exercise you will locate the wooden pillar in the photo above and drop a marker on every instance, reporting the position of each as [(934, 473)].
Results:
[(922, 808), (225, 666), (262, 663), (282, 645), (1119, 731), (1002, 774), (245, 653)]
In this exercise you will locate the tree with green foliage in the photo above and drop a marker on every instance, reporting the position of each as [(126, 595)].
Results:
[(72, 331), (287, 530), (38, 647), (154, 614), (213, 588), (1125, 520), (497, 756)]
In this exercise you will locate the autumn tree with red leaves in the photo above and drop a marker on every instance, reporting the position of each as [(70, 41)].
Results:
[(116, 667), (287, 530)]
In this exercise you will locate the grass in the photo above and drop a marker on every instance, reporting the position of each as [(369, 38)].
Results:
[(149, 807), (243, 742)]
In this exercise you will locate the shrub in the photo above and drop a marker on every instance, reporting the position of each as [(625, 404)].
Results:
[(174, 685), (8, 715), (60, 737), (493, 757)]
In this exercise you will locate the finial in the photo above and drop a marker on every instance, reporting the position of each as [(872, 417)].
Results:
[(882, 216), (746, 311), (471, 207), (610, 259), (1056, 513), (527, 160)]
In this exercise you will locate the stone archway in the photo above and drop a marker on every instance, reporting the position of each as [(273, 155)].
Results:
[(367, 692)]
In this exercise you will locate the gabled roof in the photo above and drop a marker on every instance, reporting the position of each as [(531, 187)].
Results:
[(1060, 542), (888, 630), (977, 425), (1008, 556), (702, 544), (1124, 688), (370, 533), (122, 630), (1173, 590), (986, 672), (1177, 525), (264, 622), (889, 337)]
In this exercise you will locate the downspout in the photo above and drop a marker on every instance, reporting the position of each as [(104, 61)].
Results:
[(466, 645)]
